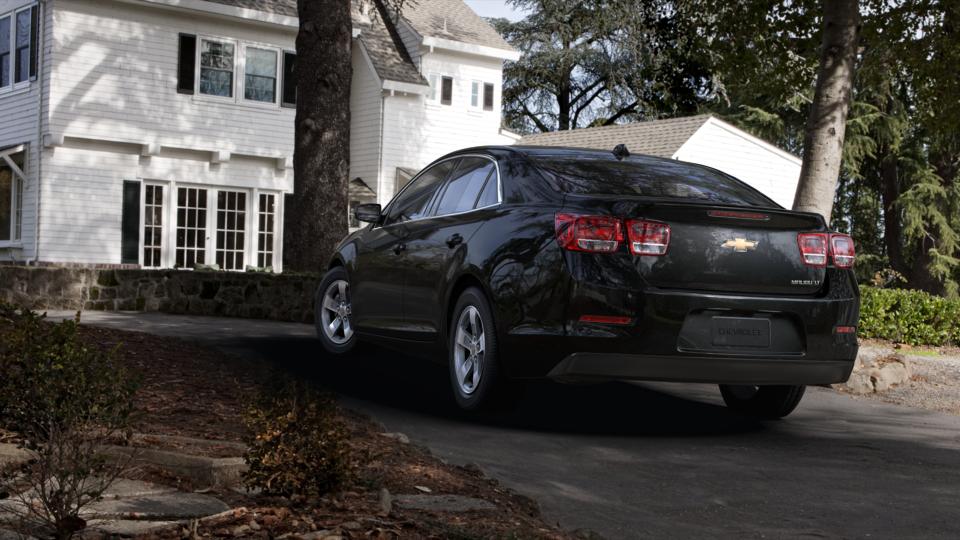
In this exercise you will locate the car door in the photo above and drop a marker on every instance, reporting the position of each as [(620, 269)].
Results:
[(377, 280), (436, 245)]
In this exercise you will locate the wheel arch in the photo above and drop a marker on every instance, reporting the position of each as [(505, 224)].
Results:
[(462, 283)]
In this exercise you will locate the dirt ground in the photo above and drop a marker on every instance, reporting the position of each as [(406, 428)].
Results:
[(192, 391)]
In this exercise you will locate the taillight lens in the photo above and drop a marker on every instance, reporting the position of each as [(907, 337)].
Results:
[(597, 234), (813, 248), (648, 237), (842, 250)]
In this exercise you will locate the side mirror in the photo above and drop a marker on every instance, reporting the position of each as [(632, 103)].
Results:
[(368, 213)]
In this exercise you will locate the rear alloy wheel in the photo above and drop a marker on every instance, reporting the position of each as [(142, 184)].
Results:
[(474, 365), (333, 312), (763, 402)]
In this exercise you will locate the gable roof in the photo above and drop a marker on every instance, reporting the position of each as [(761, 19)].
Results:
[(660, 138), (387, 54), (453, 20)]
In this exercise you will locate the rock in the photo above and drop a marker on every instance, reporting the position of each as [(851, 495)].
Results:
[(254, 526), (423, 489), (240, 531), (397, 436), (386, 502), (859, 383), (890, 375), (315, 535), (352, 525), (164, 506)]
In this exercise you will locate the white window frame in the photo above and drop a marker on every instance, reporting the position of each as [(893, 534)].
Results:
[(19, 179), (433, 79), (239, 72), (164, 224), (277, 222), (476, 95), (278, 74), (12, 15), (198, 69)]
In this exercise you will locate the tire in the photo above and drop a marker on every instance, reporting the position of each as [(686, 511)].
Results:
[(332, 312), (477, 383), (763, 402)]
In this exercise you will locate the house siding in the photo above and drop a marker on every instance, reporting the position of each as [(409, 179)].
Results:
[(20, 111), (771, 172), (365, 120), (418, 131)]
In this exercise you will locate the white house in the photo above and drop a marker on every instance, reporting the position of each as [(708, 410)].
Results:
[(703, 139), (159, 133)]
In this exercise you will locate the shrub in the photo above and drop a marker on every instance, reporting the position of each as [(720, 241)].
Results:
[(298, 444), (909, 316), (63, 400)]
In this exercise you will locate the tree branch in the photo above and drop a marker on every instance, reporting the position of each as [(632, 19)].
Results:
[(626, 110), (536, 120)]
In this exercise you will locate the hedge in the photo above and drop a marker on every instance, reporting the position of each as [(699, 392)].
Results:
[(908, 316)]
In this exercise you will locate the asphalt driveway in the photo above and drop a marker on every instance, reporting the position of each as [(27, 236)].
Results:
[(644, 460)]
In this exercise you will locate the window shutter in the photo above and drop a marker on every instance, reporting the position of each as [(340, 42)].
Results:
[(487, 97), (34, 40), (446, 91), (289, 85), (130, 224), (186, 66)]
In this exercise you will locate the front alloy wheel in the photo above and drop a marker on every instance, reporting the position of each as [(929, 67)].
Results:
[(333, 312)]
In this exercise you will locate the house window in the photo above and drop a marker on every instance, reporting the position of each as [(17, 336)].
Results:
[(266, 214), (11, 193), (260, 75), (152, 226), (191, 227), (216, 68), (487, 97), (22, 44), (446, 90), (475, 94), (231, 225), (18, 57), (5, 47)]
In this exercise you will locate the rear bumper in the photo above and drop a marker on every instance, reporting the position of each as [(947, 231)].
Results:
[(701, 369)]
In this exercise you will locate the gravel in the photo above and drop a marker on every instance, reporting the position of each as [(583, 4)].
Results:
[(934, 384)]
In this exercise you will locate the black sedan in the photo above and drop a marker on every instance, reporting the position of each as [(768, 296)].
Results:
[(516, 263)]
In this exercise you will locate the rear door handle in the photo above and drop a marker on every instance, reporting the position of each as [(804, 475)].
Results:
[(454, 240), (399, 247)]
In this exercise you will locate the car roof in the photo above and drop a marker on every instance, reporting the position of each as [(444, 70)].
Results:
[(562, 152)]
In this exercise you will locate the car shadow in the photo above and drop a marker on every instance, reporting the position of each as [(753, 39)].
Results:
[(388, 378)]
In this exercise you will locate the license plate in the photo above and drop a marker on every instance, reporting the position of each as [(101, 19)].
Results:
[(741, 332)]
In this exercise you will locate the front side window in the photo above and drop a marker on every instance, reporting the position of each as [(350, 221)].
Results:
[(11, 191), (260, 78), (231, 226), (6, 63), (152, 226), (464, 187), (191, 227), (22, 44), (216, 68), (412, 202), (266, 215)]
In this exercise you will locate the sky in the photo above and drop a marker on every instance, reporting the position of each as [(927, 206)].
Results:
[(494, 8)]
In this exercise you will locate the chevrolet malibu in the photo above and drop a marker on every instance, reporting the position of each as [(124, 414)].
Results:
[(514, 263)]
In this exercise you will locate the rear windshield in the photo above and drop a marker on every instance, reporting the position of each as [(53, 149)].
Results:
[(648, 178)]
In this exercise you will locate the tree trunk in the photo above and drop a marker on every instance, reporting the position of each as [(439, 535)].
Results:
[(892, 222), (823, 141), (316, 213)]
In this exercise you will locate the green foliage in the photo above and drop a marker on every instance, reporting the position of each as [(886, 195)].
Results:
[(63, 400), (908, 316), (298, 445)]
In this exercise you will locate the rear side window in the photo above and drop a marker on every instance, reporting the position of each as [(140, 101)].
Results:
[(411, 203), (646, 177), (465, 184)]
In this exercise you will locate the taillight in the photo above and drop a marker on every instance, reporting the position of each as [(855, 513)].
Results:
[(813, 248), (597, 234), (842, 250), (648, 237)]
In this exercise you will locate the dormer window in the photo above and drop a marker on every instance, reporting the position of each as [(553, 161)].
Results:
[(216, 68)]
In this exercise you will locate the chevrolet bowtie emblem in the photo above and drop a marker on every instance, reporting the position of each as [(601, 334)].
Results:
[(740, 245)]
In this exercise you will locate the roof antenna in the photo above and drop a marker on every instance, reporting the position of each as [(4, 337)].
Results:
[(620, 151)]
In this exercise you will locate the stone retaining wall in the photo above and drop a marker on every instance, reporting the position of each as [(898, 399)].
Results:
[(282, 297)]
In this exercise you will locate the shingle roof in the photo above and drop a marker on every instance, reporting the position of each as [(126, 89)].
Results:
[(654, 138), (451, 19), (389, 58)]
